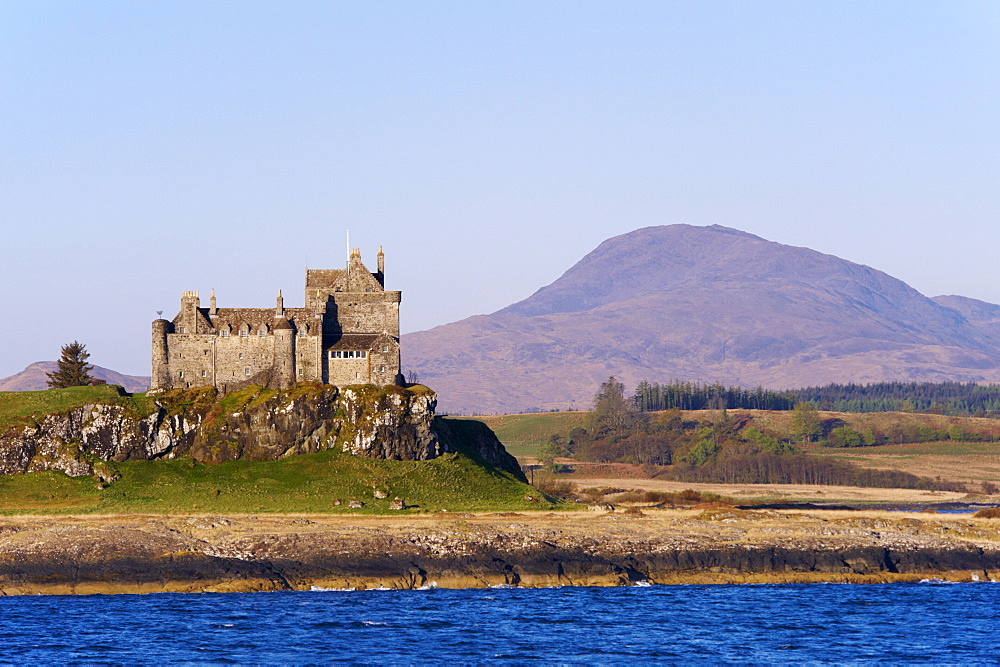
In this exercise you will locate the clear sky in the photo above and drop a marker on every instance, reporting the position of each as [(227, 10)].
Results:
[(152, 147)]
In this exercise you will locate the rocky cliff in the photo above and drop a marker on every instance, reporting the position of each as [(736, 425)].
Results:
[(255, 424)]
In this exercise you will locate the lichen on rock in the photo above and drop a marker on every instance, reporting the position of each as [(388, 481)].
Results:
[(256, 424)]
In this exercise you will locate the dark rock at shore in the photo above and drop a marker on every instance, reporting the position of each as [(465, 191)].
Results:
[(48, 555)]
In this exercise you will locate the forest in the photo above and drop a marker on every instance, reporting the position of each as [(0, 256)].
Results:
[(721, 447), (946, 398)]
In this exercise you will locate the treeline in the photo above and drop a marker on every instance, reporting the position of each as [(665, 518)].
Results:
[(721, 447), (947, 398), (766, 468)]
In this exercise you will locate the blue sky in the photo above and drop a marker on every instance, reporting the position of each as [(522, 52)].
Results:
[(149, 148)]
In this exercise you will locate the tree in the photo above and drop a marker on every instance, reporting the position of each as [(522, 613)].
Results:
[(806, 422), (72, 368), (611, 408)]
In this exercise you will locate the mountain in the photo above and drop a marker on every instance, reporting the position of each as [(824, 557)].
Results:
[(707, 304), (33, 378)]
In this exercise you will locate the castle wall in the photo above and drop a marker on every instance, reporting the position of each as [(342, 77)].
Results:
[(364, 312), (204, 347)]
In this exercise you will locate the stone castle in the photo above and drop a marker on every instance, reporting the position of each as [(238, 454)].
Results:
[(347, 333)]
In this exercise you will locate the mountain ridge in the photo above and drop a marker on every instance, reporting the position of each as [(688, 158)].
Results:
[(708, 304), (34, 378)]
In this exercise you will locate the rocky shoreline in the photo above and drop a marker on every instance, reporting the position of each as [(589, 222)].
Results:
[(148, 554)]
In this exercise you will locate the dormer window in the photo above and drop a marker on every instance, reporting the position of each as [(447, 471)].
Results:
[(224, 333), (243, 332)]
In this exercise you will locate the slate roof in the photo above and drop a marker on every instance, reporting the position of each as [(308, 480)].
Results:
[(356, 342)]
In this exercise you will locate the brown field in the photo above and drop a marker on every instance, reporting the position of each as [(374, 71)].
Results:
[(970, 463), (752, 493)]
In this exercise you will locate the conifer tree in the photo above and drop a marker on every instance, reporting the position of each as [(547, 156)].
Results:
[(72, 368)]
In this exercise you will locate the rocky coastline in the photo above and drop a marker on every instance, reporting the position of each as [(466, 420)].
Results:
[(191, 553)]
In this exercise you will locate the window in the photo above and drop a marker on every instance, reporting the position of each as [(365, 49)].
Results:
[(204, 373), (362, 354), (180, 374), (262, 332), (181, 329), (382, 368), (246, 371), (385, 348), (206, 351), (243, 332), (241, 355), (224, 333)]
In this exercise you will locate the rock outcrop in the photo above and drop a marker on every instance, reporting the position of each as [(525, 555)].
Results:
[(122, 554), (255, 424)]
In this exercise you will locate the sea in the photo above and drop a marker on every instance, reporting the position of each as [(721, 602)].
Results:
[(929, 622)]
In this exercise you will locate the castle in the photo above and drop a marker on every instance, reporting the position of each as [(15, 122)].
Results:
[(347, 333)]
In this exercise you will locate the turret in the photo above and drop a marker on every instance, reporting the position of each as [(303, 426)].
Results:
[(190, 303), (160, 377), (284, 353)]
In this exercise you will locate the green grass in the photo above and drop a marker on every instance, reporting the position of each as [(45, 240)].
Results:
[(522, 435), (25, 407), (308, 483)]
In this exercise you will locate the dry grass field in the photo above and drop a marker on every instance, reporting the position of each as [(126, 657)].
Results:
[(971, 463)]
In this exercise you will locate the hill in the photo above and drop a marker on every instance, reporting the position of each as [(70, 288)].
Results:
[(708, 304), (33, 378)]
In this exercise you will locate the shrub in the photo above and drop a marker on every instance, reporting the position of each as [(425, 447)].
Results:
[(988, 513)]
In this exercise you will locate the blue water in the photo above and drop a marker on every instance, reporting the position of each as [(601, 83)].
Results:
[(911, 623)]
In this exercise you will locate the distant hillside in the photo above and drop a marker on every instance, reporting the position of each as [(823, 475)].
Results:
[(711, 304), (33, 378)]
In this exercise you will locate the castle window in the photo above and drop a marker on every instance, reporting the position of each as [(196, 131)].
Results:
[(241, 355), (246, 371), (382, 368), (206, 351), (362, 354), (243, 332), (224, 333), (204, 373), (262, 332), (181, 330), (385, 348), (180, 374)]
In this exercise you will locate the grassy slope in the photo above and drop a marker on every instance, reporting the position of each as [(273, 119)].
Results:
[(307, 483), (523, 434), (24, 407)]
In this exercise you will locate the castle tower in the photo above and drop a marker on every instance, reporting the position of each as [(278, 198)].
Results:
[(284, 353), (160, 377)]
